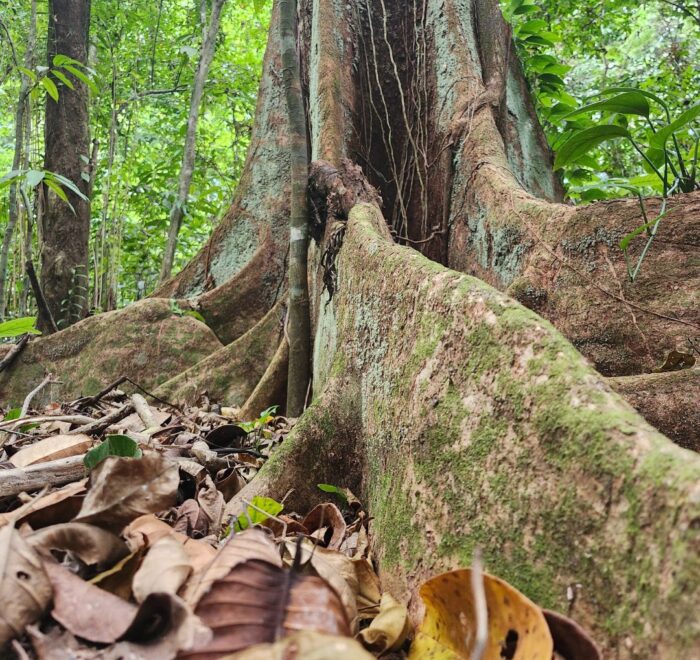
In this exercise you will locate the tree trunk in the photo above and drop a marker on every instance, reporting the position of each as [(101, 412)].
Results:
[(21, 120), (64, 255), (299, 326), (210, 31), (462, 418)]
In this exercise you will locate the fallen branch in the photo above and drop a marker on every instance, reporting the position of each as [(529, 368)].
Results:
[(99, 425), (34, 477), (92, 400), (33, 393)]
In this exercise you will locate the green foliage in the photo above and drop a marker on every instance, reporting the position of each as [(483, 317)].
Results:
[(338, 492), (17, 327), (113, 445), (258, 511), (266, 416)]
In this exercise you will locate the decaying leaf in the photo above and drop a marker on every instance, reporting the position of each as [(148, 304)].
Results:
[(326, 517), (258, 602), (86, 610), (389, 629), (92, 545), (370, 593), (677, 360), (335, 568), (51, 449), (250, 544), (117, 579), (191, 520), (305, 645), (164, 570), (570, 640), (122, 489), (516, 626), (25, 590), (52, 508)]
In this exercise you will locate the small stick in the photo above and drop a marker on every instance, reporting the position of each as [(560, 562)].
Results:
[(91, 401), (98, 425), (41, 303), (144, 412), (480, 608), (33, 393), (11, 424), (14, 352)]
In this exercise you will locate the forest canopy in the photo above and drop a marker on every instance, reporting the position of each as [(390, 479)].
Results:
[(141, 65)]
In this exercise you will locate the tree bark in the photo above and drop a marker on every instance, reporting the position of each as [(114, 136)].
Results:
[(64, 256), (177, 212), (299, 325)]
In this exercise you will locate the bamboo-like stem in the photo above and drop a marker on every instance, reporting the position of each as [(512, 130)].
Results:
[(299, 325)]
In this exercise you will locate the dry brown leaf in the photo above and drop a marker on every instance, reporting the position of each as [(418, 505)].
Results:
[(258, 602), (121, 489), (335, 568), (370, 592), (570, 640), (229, 482), (389, 629), (191, 520), (516, 626), (146, 530), (51, 449), (56, 507), (86, 610), (118, 578), (249, 544), (327, 516), (25, 590), (58, 644), (90, 544), (305, 645), (164, 569)]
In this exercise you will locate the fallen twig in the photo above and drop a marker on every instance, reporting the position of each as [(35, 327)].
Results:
[(99, 425), (92, 400), (34, 477)]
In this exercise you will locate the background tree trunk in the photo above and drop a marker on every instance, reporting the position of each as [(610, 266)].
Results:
[(209, 30), (64, 255)]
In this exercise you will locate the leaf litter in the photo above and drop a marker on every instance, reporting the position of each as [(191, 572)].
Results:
[(126, 552)]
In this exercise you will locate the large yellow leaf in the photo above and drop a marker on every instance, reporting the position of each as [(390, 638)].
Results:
[(516, 626)]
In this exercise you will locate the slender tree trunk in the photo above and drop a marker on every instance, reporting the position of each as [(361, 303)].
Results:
[(299, 326), (21, 118), (188, 156), (64, 255)]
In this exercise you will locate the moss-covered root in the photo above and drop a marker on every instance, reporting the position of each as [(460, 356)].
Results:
[(272, 387), (484, 427), (146, 342), (322, 448), (230, 374), (668, 401)]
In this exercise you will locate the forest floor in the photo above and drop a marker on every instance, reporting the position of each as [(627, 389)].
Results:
[(121, 536)]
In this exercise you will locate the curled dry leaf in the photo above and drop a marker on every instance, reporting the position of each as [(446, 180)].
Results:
[(25, 590), (258, 602), (122, 489), (305, 645), (326, 516), (249, 544), (92, 545), (51, 449), (389, 630), (86, 610), (191, 520), (516, 626), (370, 592), (570, 640), (164, 570)]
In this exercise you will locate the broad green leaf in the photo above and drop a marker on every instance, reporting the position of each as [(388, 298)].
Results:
[(328, 488), (268, 507), (80, 75), (10, 177), (659, 138), (629, 103), (583, 141), (50, 86), (643, 92), (17, 327), (59, 191), (62, 78), (12, 413), (34, 177), (114, 445), (67, 183), (27, 72), (534, 26)]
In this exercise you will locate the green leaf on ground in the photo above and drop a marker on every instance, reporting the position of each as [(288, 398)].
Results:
[(114, 445)]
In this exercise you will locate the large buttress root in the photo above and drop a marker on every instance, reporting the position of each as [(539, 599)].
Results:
[(477, 424)]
